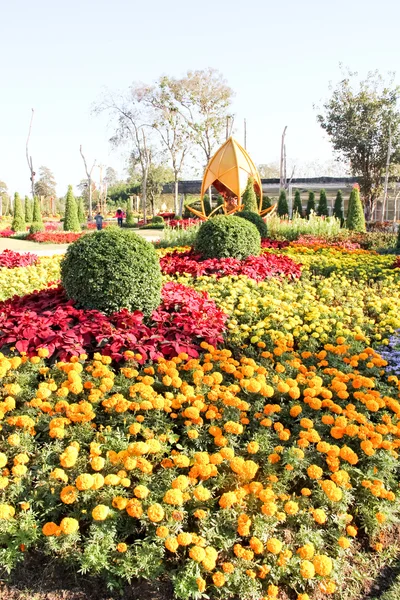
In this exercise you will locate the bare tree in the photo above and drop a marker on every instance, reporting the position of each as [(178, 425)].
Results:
[(284, 183), (89, 179), (132, 124), (29, 158)]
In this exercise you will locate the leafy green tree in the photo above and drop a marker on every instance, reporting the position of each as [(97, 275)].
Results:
[(322, 210), (310, 204), (207, 204), (266, 202), (297, 206), (46, 184), (220, 202), (37, 212), (28, 209), (355, 214), (338, 210), (249, 198), (282, 208), (18, 223), (81, 211), (360, 119), (130, 221), (268, 171), (71, 221)]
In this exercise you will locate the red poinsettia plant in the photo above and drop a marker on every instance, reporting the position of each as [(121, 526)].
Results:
[(11, 259)]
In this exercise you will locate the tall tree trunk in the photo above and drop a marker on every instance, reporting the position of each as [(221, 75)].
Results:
[(144, 194), (385, 191), (90, 198)]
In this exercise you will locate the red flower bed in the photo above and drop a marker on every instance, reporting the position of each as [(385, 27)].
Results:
[(276, 244), (396, 264), (11, 259), (254, 267), (47, 319), (54, 237), (52, 226), (167, 215), (6, 233)]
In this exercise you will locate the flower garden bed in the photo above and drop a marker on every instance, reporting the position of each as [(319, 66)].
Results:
[(243, 441)]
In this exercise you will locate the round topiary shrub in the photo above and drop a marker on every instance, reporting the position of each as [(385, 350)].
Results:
[(226, 236), (256, 220), (157, 220), (36, 227), (112, 269)]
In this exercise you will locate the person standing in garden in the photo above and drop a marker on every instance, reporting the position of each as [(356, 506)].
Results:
[(120, 217), (99, 221)]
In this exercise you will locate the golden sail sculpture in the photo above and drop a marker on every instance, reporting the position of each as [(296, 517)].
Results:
[(228, 172)]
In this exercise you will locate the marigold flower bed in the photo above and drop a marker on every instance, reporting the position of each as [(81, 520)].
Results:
[(254, 267)]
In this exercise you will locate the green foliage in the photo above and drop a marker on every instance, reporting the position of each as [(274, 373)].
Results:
[(36, 227), (398, 237), (279, 229), (355, 214), (266, 202), (338, 210), (130, 220), (28, 210), (81, 211), (37, 213), (282, 208), (310, 204), (249, 198), (256, 220), (18, 222), (322, 210), (227, 236), (157, 220), (207, 205), (120, 270), (71, 221), (178, 236), (297, 206), (220, 202)]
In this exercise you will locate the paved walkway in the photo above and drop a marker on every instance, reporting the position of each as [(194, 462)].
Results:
[(49, 249)]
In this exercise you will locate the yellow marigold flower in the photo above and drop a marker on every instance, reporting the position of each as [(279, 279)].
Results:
[(291, 508), (274, 545), (112, 479), (327, 587), (119, 502), (273, 591), (180, 483), (314, 472), (173, 497), (307, 569), (97, 463), (100, 512), (228, 567), (162, 531), (303, 597), (344, 542), (122, 547), (253, 447), (380, 517), (69, 525), (322, 564), (3, 459), (156, 513), (319, 516), (201, 493), (13, 440), (84, 481), (49, 529), (69, 494), (218, 579), (25, 505), (306, 552), (184, 538), (171, 544), (6, 511), (201, 584), (98, 481), (351, 531), (256, 545)]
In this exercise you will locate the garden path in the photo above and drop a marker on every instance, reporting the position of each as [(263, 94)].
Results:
[(49, 249)]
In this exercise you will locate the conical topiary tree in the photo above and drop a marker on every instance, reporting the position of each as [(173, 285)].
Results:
[(297, 206), (249, 198), (310, 204), (282, 208), (71, 221), (18, 222), (207, 205), (28, 210), (81, 211), (130, 220), (355, 214), (266, 202), (322, 210), (37, 212), (338, 211)]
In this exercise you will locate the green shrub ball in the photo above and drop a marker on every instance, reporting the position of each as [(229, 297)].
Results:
[(112, 269), (227, 236), (256, 220)]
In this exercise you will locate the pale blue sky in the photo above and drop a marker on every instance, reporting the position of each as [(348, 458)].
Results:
[(278, 57)]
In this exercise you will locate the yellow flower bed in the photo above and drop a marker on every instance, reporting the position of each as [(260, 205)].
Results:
[(247, 475), (24, 280)]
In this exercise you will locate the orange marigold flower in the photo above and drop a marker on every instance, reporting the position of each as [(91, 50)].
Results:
[(218, 579), (100, 512), (156, 513), (69, 525), (197, 553), (69, 494), (307, 570), (274, 545), (314, 472)]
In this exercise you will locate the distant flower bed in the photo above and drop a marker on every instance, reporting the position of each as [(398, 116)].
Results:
[(183, 223), (52, 226), (10, 259), (254, 267), (314, 242), (276, 244), (6, 233), (54, 237)]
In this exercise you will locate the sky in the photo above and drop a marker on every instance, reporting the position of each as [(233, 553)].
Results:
[(279, 58)]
